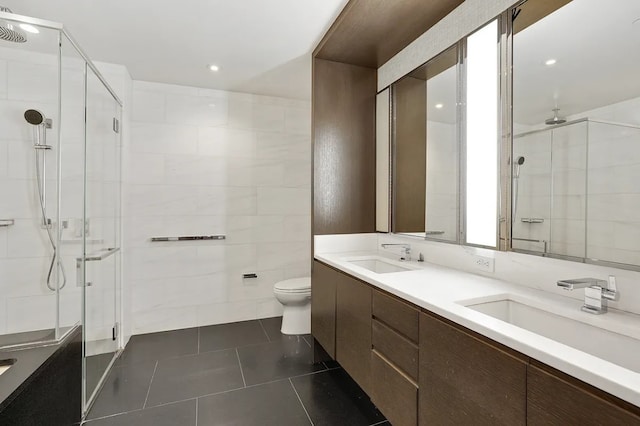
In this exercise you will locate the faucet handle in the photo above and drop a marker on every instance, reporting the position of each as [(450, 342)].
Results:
[(611, 292)]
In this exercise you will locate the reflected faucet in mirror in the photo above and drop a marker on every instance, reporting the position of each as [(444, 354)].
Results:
[(406, 250)]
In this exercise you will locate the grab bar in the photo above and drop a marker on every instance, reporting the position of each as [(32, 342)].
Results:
[(532, 220), (189, 238), (7, 222)]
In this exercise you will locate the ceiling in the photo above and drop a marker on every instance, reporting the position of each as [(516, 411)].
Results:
[(598, 60), (261, 47)]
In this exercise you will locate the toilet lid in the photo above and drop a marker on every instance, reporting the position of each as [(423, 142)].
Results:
[(294, 285)]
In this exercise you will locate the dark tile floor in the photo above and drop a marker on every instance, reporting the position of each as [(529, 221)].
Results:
[(243, 374)]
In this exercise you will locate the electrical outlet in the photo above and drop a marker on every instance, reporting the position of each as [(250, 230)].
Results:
[(484, 263)]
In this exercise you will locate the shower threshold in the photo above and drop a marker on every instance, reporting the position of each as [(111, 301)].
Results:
[(28, 338)]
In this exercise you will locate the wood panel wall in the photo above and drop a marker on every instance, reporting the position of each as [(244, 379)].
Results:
[(370, 32), (410, 152), (344, 102)]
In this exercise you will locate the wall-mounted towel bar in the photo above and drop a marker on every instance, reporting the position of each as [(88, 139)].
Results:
[(6, 222), (532, 220), (188, 238)]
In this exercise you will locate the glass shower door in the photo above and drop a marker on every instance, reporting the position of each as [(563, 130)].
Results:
[(101, 232)]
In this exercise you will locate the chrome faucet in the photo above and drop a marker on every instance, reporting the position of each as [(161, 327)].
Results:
[(596, 292), (406, 250)]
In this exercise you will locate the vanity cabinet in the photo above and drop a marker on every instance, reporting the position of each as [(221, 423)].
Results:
[(394, 359), (353, 329), (420, 368), (323, 306), (467, 379), (554, 398)]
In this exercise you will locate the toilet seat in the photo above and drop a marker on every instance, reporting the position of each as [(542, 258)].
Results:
[(295, 285)]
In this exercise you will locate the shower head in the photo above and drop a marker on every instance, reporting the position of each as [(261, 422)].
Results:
[(35, 117), (555, 119), (9, 31)]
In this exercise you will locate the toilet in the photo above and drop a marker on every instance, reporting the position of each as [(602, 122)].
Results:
[(295, 296)]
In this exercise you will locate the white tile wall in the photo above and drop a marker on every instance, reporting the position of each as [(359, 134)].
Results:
[(206, 162)]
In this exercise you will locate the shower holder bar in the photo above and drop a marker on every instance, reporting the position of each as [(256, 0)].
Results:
[(188, 238), (532, 220), (7, 222)]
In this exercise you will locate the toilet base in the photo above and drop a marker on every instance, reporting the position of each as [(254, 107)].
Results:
[(296, 319)]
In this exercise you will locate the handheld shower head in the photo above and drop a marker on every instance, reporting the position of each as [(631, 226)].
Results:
[(35, 117), (519, 161)]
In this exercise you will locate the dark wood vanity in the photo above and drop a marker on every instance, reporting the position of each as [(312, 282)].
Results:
[(422, 369)]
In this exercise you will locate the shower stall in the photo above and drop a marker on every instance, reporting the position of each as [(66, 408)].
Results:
[(60, 161), (574, 187)]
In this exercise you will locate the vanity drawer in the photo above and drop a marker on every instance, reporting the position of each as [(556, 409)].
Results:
[(396, 314), (395, 395), (396, 348)]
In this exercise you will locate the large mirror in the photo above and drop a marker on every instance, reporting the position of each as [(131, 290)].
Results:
[(576, 130), (426, 153), (445, 121)]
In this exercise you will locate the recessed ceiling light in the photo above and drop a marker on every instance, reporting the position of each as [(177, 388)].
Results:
[(214, 68), (550, 62), (439, 106), (29, 28)]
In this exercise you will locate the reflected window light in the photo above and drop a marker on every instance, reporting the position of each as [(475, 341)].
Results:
[(482, 136)]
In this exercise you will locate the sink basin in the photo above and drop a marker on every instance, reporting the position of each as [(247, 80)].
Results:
[(6, 364), (379, 266), (613, 347)]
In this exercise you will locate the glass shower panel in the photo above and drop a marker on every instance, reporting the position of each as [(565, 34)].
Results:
[(71, 189), (29, 80), (569, 177), (531, 200), (102, 231)]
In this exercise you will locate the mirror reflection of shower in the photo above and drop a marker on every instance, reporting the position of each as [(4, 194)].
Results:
[(41, 124), (519, 161)]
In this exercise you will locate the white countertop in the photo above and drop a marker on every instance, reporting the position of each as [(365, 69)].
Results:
[(441, 291)]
